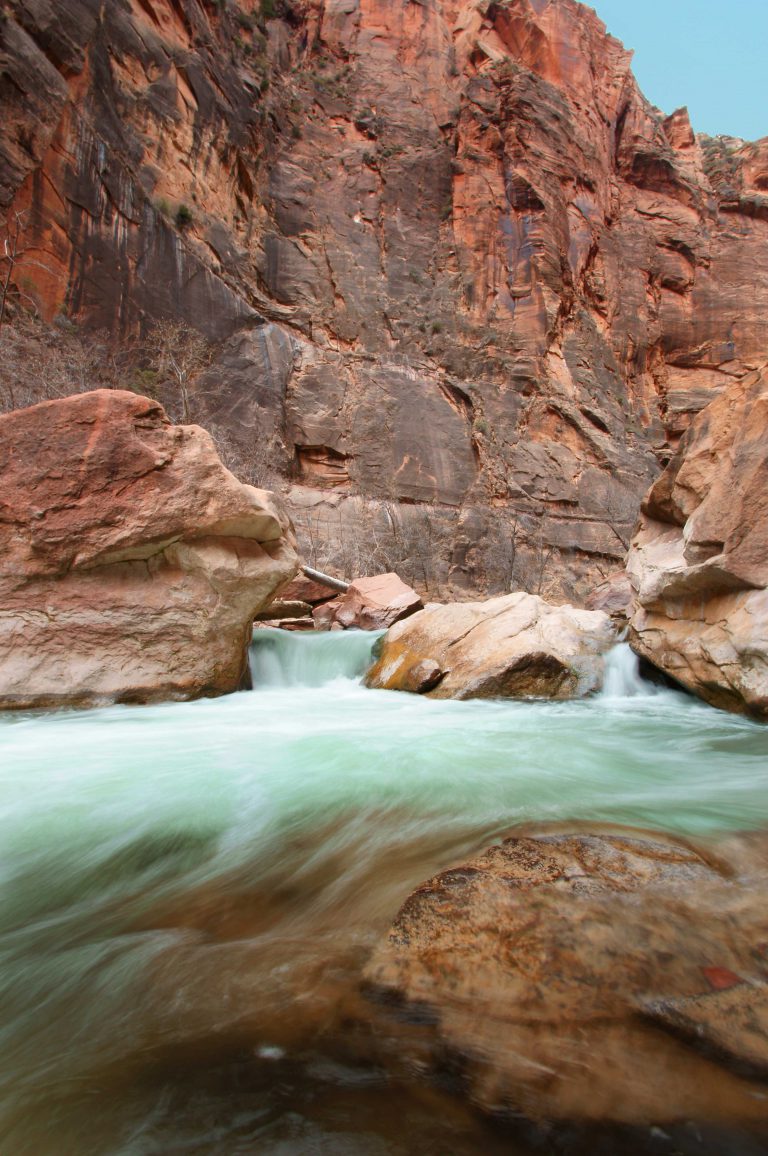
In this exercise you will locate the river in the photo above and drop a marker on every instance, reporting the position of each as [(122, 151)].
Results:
[(189, 889)]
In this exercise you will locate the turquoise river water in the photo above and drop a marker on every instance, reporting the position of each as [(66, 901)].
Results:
[(188, 890)]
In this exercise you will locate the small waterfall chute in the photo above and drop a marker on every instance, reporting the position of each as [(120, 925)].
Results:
[(282, 658), (622, 675)]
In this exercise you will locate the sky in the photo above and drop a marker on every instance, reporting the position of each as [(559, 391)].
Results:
[(707, 54)]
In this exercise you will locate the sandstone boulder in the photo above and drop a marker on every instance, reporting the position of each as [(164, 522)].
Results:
[(699, 560), (299, 625), (606, 975), (303, 589), (132, 562), (369, 604), (513, 646), (613, 595), (282, 608)]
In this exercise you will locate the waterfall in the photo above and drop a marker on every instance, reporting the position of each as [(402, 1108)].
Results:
[(622, 675), (281, 658)]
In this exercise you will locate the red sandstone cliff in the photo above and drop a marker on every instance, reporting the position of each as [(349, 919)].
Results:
[(469, 286)]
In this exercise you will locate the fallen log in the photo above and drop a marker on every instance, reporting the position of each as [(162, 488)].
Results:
[(325, 579)]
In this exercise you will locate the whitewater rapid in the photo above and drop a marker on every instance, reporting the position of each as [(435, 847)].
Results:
[(187, 883)]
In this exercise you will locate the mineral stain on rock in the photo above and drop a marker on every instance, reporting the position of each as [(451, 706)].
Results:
[(474, 292), (457, 261)]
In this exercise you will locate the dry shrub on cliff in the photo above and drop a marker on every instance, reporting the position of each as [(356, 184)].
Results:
[(14, 260), (355, 537), (39, 362), (359, 538), (510, 551), (177, 354), (257, 464)]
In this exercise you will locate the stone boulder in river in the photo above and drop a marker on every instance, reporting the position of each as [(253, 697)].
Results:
[(590, 975), (699, 560), (131, 561), (372, 603), (514, 646)]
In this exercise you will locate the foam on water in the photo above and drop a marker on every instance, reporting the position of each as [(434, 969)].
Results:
[(281, 658), (622, 677), (190, 871)]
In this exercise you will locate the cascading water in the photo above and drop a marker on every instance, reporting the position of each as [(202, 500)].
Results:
[(622, 677), (280, 658), (189, 889)]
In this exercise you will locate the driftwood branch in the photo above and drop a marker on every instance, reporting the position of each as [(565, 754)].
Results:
[(325, 579)]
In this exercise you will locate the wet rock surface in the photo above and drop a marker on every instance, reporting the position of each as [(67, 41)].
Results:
[(282, 608), (699, 560), (730, 1025), (591, 975), (132, 562), (515, 646)]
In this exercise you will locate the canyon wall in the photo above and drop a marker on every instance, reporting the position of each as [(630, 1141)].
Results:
[(466, 285)]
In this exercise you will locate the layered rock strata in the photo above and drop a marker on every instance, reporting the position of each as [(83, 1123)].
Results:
[(592, 975), (699, 560), (131, 561), (471, 286), (515, 646)]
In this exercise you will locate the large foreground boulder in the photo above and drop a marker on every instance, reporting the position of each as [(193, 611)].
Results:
[(517, 645), (699, 560), (587, 975), (131, 561)]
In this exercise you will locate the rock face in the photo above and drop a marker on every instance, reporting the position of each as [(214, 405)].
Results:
[(511, 647), (471, 286), (699, 561), (131, 562), (613, 595), (369, 604), (592, 975)]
